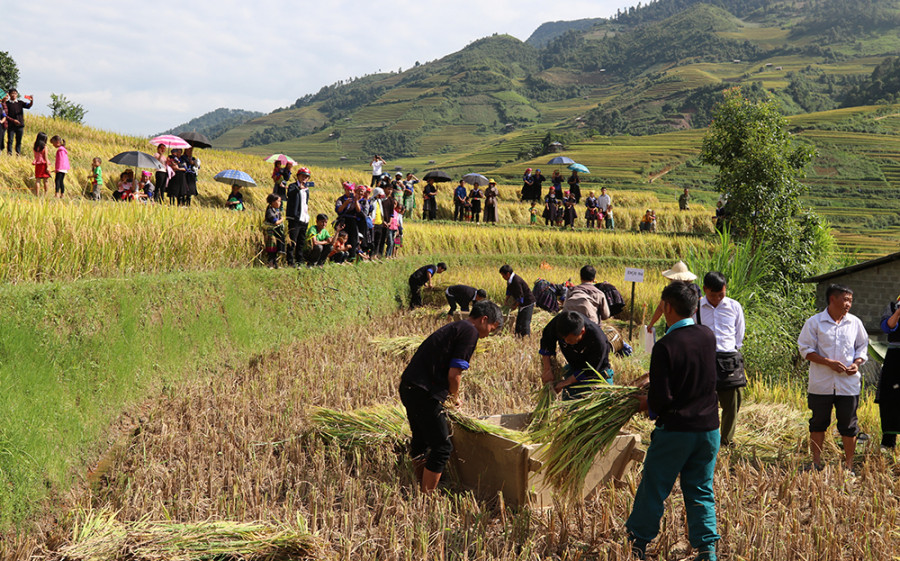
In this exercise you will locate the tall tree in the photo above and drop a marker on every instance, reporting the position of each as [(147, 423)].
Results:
[(760, 170), (9, 72), (62, 108)]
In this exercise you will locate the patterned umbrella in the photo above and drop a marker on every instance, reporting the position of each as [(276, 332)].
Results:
[(171, 141), (280, 158), (234, 177), (561, 160), (579, 168)]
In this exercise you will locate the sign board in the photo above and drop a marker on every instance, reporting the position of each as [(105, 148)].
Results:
[(634, 275)]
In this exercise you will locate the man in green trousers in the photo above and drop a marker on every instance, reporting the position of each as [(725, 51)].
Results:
[(682, 397)]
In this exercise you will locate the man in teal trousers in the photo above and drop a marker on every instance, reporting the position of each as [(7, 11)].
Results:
[(682, 398)]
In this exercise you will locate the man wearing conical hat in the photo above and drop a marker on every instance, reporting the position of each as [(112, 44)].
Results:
[(678, 273)]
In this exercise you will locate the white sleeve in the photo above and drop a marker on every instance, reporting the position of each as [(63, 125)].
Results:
[(861, 345), (807, 342)]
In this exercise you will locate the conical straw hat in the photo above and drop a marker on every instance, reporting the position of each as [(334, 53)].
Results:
[(679, 272)]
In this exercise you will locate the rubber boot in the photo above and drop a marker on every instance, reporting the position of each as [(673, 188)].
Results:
[(430, 480)]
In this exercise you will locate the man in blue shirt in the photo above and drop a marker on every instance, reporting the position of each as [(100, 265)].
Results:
[(459, 201)]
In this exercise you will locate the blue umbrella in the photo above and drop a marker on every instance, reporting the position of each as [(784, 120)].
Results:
[(234, 177), (579, 168), (561, 160)]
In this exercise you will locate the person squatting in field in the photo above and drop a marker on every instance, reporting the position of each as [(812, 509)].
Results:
[(432, 378)]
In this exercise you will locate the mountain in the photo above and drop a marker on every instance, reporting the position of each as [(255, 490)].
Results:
[(550, 30), (651, 69), (214, 123)]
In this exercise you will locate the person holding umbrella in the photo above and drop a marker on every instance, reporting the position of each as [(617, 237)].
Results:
[(162, 174), (575, 185), (190, 164), (429, 202), (176, 187), (297, 213), (475, 196)]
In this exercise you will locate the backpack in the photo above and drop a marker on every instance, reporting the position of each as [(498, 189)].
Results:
[(613, 298), (545, 296)]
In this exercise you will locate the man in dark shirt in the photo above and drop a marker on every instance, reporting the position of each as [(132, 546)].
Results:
[(422, 277), (297, 213), (15, 120), (349, 208), (463, 295), (682, 393), (518, 296), (433, 376), (585, 347)]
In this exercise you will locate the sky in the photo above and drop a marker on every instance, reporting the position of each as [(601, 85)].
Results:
[(140, 67)]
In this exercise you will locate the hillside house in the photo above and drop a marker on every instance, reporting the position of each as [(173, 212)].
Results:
[(874, 284)]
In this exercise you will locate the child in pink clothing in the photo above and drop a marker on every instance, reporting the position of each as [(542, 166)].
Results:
[(41, 175), (61, 166)]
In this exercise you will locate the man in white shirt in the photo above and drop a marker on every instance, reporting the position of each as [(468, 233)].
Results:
[(603, 200), (725, 317), (835, 343), (377, 163)]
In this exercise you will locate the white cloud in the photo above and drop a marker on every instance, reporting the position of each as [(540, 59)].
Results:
[(141, 67)]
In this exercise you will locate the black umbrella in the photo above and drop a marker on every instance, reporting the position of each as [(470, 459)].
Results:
[(136, 159), (196, 139), (437, 176)]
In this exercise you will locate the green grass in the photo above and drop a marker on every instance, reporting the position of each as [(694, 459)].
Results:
[(76, 355)]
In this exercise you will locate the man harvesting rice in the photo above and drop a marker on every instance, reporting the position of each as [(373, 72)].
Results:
[(685, 442), (585, 347), (431, 378)]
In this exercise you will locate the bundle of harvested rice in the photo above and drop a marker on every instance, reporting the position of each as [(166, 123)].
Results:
[(98, 536), (471, 424), (545, 398), (397, 346), (364, 427), (382, 424), (581, 429)]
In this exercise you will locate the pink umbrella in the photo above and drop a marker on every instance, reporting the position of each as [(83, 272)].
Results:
[(171, 141), (280, 158)]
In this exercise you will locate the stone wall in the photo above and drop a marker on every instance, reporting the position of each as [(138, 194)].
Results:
[(872, 289)]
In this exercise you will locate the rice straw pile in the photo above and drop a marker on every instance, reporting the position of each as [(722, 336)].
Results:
[(98, 536), (406, 345), (471, 424), (581, 429)]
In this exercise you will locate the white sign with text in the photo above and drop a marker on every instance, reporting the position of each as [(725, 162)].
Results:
[(634, 275)]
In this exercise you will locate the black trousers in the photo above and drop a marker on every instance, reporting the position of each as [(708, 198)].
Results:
[(463, 306), (351, 226), (428, 424), (458, 210), (14, 132), (523, 320), (415, 294), (888, 398), (317, 255), (161, 179), (296, 237), (381, 233), (60, 182)]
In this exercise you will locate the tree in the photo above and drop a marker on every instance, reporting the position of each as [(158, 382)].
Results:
[(62, 108), (760, 168), (9, 72)]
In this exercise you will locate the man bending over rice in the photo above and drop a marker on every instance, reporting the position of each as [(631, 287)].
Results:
[(431, 378)]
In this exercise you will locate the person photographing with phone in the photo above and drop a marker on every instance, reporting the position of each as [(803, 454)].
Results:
[(15, 119)]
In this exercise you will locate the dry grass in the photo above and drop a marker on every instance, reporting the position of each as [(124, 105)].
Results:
[(229, 448)]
